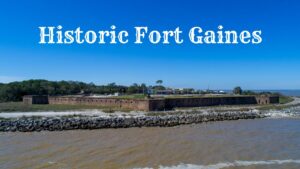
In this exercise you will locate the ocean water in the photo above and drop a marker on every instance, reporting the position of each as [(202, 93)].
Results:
[(269, 143)]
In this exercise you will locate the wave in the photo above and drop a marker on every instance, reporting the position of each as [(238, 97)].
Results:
[(230, 164), (285, 113), (90, 112)]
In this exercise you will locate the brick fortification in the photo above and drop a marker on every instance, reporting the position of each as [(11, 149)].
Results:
[(152, 104)]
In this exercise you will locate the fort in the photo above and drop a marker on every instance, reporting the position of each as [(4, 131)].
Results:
[(153, 104)]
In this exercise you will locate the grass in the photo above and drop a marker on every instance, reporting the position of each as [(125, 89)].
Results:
[(207, 96), (132, 96), (20, 107), (285, 99), (282, 104), (202, 96)]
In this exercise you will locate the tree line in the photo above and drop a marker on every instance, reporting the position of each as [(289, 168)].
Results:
[(14, 91)]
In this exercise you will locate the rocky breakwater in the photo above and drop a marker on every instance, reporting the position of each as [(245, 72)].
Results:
[(30, 124)]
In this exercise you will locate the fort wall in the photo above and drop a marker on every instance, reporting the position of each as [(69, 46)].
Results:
[(152, 104), (132, 104), (35, 99)]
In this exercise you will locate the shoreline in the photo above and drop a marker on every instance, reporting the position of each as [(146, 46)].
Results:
[(89, 119)]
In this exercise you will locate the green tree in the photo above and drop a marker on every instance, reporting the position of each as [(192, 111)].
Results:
[(144, 88), (159, 82), (16, 90), (237, 90), (134, 88), (249, 92)]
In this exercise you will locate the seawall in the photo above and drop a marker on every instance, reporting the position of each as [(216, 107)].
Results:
[(72, 123)]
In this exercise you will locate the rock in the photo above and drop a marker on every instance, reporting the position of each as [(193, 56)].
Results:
[(71, 123)]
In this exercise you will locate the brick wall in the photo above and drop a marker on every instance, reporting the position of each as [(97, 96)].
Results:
[(152, 104), (133, 104), (208, 101), (35, 99)]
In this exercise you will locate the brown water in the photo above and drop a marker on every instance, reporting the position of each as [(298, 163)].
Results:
[(254, 143)]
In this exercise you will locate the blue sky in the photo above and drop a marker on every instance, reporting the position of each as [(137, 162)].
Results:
[(273, 64)]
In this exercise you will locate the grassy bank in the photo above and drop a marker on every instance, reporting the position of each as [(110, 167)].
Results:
[(285, 99), (20, 107), (132, 96)]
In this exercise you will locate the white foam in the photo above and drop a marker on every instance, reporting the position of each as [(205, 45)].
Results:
[(293, 112), (230, 164), (95, 113)]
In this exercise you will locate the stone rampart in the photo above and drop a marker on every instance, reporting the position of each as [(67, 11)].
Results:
[(152, 104)]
